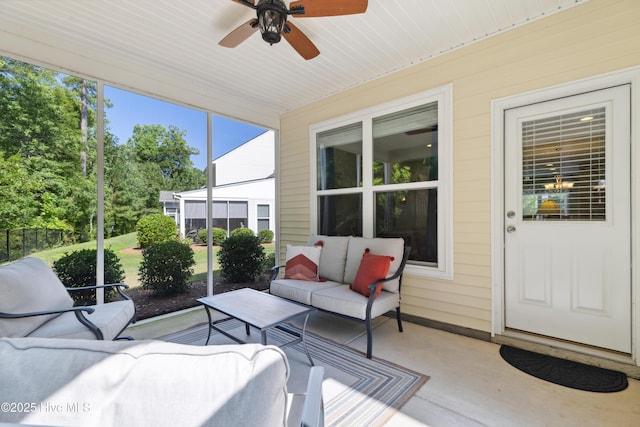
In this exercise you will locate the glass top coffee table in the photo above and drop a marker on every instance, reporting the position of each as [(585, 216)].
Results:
[(259, 310)]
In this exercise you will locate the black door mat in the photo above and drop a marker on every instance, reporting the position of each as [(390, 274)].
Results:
[(565, 372)]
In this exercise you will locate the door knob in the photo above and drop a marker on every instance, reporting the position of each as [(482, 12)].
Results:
[(511, 229), (511, 214)]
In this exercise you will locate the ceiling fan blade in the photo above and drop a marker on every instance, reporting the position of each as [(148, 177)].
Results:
[(300, 42), (240, 34), (250, 3), (316, 8)]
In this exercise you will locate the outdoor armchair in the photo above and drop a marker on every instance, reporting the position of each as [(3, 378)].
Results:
[(35, 303)]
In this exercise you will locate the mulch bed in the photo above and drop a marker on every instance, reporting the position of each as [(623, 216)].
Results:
[(150, 305)]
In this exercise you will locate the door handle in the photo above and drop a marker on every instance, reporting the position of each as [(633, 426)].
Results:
[(511, 229)]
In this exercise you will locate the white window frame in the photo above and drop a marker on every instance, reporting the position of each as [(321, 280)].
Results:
[(443, 95)]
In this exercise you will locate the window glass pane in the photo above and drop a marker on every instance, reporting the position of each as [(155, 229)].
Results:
[(263, 211), (412, 215), (339, 153), (194, 210), (340, 215), (237, 223), (563, 167), (219, 223), (263, 224), (219, 210), (405, 146), (238, 210)]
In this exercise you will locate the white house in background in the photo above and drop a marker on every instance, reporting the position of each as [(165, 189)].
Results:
[(243, 191)]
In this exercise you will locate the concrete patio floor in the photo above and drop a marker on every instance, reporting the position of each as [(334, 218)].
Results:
[(469, 385)]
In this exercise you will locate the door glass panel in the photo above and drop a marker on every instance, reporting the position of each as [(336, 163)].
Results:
[(563, 167)]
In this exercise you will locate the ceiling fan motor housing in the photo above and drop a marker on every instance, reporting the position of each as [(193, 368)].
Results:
[(272, 15)]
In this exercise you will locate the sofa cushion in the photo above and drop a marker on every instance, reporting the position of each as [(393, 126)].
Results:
[(372, 268), (302, 262), (380, 246), (110, 318), (29, 285), (342, 300), (333, 256), (140, 383), (298, 290)]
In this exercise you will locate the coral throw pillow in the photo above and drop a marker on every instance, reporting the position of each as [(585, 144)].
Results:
[(372, 267), (302, 262)]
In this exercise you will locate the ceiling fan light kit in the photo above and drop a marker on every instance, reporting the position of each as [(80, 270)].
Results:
[(272, 21)]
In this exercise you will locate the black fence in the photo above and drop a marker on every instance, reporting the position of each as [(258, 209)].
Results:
[(15, 244)]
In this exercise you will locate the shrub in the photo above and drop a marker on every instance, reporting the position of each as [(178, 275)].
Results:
[(265, 236), (78, 268), (166, 268), (243, 231), (241, 258), (217, 234), (269, 262), (156, 228)]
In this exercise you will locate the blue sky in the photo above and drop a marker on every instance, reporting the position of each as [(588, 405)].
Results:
[(130, 109)]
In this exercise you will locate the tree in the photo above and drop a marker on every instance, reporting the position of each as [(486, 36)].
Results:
[(164, 160)]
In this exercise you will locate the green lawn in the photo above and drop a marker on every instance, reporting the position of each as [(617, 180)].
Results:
[(130, 259)]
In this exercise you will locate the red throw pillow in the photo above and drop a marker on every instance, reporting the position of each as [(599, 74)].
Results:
[(372, 268)]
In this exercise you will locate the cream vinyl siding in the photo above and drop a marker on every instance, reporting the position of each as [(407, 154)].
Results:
[(597, 37)]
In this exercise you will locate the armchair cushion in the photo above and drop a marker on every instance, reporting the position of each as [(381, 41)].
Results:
[(110, 318), (333, 256), (29, 285)]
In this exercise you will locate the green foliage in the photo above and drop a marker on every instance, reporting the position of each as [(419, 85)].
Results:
[(269, 261), (156, 228), (241, 258), (78, 268), (48, 157), (217, 235), (242, 231), (166, 268), (265, 236)]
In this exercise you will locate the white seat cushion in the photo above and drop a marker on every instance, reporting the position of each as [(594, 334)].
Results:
[(111, 318), (342, 300), (298, 290), (139, 383)]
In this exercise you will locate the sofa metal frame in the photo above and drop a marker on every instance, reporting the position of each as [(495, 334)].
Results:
[(373, 288)]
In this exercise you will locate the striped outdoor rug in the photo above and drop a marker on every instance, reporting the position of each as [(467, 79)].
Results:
[(357, 391)]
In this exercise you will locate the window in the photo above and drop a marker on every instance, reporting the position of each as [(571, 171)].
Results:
[(263, 217), (386, 172)]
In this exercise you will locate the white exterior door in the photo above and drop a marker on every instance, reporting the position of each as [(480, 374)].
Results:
[(567, 236)]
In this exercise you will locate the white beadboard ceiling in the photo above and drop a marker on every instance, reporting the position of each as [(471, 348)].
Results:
[(169, 48)]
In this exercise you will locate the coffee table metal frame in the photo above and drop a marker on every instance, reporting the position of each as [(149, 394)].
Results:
[(259, 310)]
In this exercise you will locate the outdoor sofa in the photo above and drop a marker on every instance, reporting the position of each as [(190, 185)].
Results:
[(62, 382), (35, 303), (348, 280)]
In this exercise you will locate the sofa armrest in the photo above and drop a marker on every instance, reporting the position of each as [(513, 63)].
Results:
[(275, 270), (398, 274), (313, 409), (118, 286)]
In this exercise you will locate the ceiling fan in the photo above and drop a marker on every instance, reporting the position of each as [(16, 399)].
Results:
[(272, 21)]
